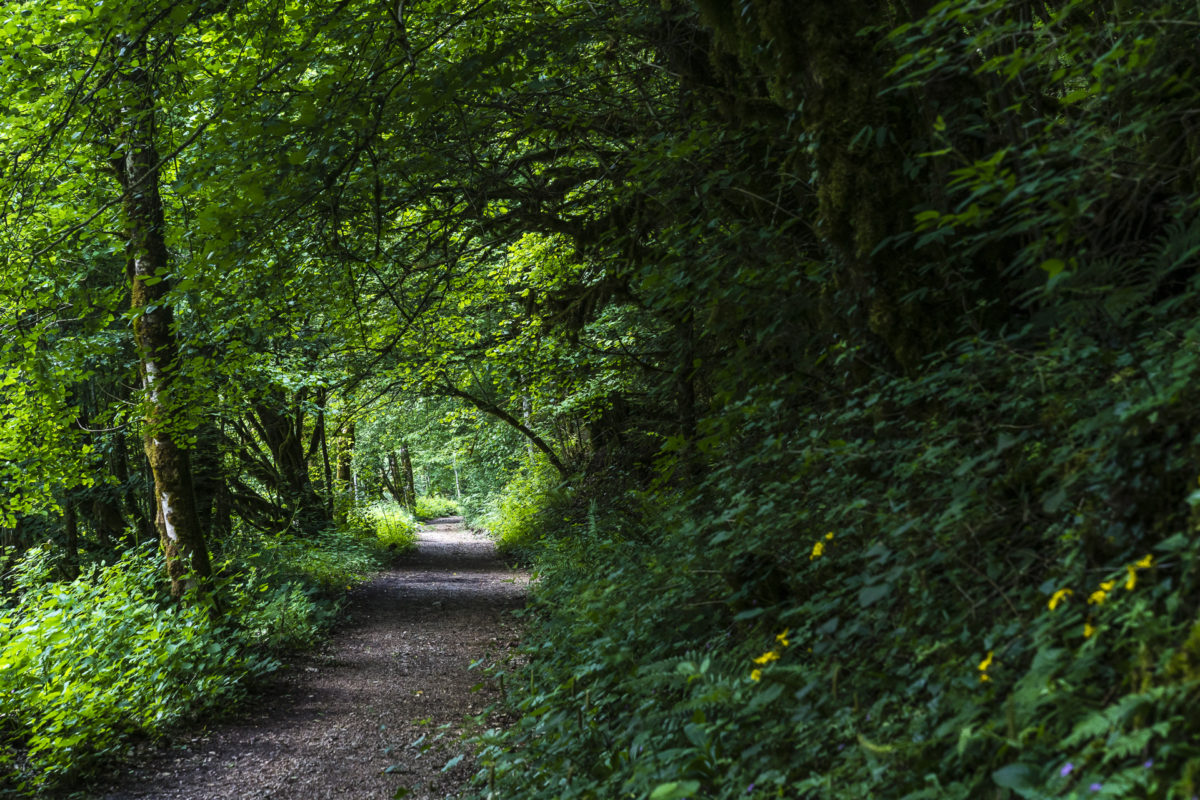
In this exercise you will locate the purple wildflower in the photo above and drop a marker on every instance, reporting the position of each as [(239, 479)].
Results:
[(1095, 787), (1066, 769)]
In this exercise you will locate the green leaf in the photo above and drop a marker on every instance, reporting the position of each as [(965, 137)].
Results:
[(1053, 266), (872, 594), (675, 790), (1018, 777)]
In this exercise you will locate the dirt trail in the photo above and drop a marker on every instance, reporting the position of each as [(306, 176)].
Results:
[(348, 721)]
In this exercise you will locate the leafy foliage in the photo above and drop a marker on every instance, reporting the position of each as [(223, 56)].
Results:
[(833, 362), (393, 527), (932, 532), (432, 506), (149, 664)]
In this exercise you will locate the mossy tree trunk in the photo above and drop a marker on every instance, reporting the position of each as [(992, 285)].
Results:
[(175, 519), (835, 58)]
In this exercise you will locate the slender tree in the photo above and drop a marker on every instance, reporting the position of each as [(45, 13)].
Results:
[(148, 264)]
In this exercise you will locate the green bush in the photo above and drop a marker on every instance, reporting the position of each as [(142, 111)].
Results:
[(517, 518), (330, 562), (286, 617), (434, 506), (897, 600), (88, 663), (393, 526)]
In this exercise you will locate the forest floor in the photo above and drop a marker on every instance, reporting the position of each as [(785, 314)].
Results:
[(380, 708)]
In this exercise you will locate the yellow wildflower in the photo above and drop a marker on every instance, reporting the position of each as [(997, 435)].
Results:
[(782, 637), (767, 657), (1145, 563), (756, 675), (1131, 581), (1100, 595), (818, 551), (829, 535), (1088, 630), (983, 667), (1058, 597)]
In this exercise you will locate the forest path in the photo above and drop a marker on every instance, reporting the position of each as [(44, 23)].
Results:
[(347, 721)]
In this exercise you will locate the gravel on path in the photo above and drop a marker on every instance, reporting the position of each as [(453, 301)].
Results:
[(377, 710)]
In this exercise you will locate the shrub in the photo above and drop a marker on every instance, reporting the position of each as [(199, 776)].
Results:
[(434, 506), (517, 518), (393, 526), (879, 605), (86, 664)]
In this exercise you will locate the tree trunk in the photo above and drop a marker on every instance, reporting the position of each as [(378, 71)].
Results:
[(107, 519), (392, 479), (386, 485), (284, 436), (408, 488), (142, 528), (178, 528), (208, 476), (326, 470), (345, 492), (70, 565)]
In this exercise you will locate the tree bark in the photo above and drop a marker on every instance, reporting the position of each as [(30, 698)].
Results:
[(178, 528), (327, 470), (345, 491), (409, 489), (70, 565), (284, 436)]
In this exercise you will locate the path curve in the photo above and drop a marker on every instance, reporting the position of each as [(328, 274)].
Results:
[(348, 721)]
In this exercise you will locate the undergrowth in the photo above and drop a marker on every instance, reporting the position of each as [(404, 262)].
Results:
[(518, 517), (391, 524), (433, 506), (88, 665), (895, 599)]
